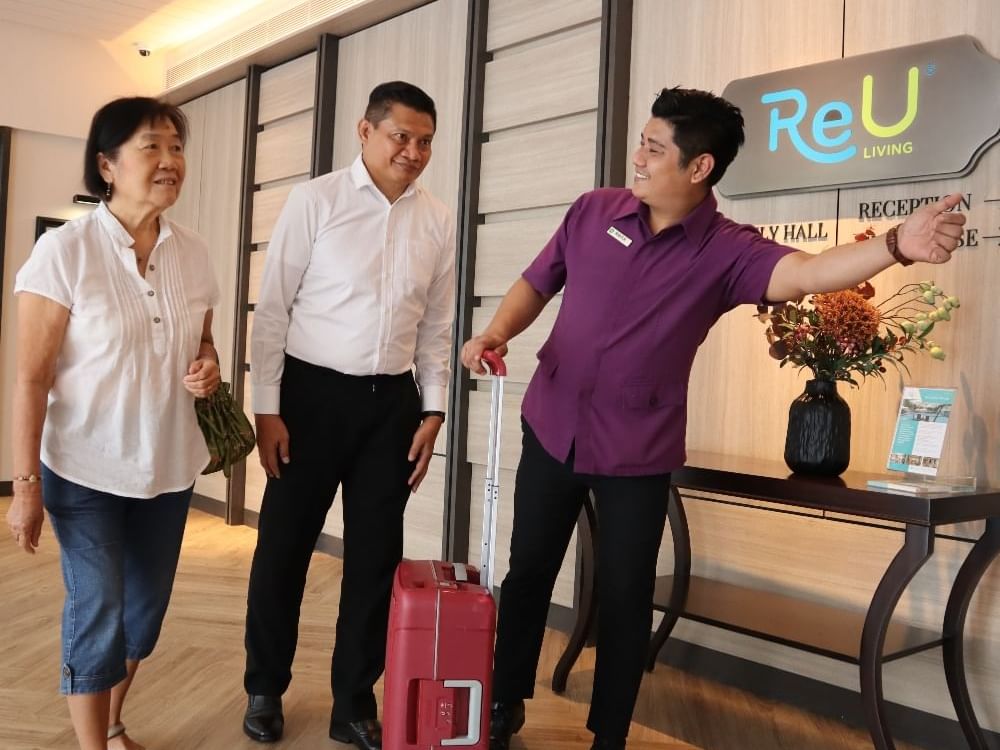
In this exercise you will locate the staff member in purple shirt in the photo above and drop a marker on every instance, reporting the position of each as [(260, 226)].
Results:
[(644, 274)]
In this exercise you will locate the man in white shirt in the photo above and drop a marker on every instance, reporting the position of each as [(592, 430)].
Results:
[(358, 288)]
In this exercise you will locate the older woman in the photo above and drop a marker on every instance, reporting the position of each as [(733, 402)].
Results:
[(114, 342)]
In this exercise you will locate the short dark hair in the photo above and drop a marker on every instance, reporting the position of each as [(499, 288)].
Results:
[(384, 95), (703, 124), (115, 123)]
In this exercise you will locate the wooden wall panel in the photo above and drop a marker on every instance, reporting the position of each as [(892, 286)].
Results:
[(545, 165), (513, 21), (477, 436), (539, 83), (427, 48), (267, 205), (285, 149), (826, 559), (507, 243), (257, 260), (287, 89), (521, 355)]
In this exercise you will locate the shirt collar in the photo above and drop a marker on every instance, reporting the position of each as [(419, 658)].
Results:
[(361, 177), (695, 224), (120, 234)]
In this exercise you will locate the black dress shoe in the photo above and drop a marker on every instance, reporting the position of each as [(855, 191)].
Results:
[(603, 743), (505, 721), (364, 735), (263, 720)]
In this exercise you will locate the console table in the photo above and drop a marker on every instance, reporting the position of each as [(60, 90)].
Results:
[(867, 640)]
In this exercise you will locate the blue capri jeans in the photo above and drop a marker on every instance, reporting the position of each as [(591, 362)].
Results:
[(119, 556)]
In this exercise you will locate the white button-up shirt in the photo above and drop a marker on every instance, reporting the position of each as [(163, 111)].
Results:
[(119, 419), (356, 284)]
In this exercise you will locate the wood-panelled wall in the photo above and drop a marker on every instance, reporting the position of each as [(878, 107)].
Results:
[(540, 114), (284, 148), (210, 204), (425, 47), (739, 398)]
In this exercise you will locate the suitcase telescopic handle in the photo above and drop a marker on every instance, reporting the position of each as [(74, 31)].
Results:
[(498, 371), (494, 363), (475, 688)]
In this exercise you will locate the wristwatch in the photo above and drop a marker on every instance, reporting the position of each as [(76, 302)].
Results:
[(425, 414)]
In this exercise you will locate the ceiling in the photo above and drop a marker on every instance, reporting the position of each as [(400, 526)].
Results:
[(155, 24)]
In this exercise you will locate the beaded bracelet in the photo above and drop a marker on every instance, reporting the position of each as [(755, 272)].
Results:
[(30, 478)]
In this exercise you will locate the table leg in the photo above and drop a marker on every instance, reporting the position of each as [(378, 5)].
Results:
[(586, 599), (682, 576), (983, 552), (919, 546)]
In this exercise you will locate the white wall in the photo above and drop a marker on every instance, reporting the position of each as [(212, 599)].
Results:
[(45, 172), (53, 83)]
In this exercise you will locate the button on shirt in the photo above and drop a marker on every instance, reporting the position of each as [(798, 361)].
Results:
[(613, 375), (356, 284), (119, 419)]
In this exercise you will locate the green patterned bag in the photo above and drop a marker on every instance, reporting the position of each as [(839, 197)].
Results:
[(227, 430)]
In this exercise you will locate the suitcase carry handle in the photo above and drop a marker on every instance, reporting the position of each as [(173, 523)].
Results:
[(498, 371), (475, 688)]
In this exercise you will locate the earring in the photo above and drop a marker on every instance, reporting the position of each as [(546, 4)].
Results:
[(107, 193)]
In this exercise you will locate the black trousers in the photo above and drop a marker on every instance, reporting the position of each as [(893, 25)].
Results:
[(347, 431), (548, 497)]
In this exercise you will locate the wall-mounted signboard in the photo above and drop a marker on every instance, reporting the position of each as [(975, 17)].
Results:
[(925, 111)]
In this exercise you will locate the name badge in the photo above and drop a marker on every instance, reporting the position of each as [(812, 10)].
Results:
[(622, 238)]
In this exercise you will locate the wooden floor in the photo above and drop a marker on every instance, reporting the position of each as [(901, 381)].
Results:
[(189, 694)]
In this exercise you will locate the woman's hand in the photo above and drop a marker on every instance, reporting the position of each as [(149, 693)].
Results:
[(25, 515), (203, 377)]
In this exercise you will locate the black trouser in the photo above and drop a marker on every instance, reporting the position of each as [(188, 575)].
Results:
[(345, 431), (548, 497)]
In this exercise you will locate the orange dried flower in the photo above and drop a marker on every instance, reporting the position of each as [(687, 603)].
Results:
[(850, 319)]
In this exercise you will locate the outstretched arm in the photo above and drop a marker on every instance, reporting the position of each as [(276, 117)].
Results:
[(930, 234), (518, 309)]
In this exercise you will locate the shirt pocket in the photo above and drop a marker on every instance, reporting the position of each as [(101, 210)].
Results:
[(652, 396), (419, 264)]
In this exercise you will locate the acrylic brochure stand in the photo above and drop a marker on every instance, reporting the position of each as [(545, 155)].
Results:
[(917, 444)]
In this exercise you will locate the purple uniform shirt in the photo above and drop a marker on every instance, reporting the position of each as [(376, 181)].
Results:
[(613, 375)]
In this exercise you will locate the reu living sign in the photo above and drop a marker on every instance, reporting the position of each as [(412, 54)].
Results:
[(925, 111)]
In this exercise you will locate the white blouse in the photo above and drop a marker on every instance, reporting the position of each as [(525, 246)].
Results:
[(119, 419), (356, 284)]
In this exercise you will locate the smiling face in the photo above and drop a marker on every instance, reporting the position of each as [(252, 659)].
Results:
[(660, 180), (148, 170), (397, 148)]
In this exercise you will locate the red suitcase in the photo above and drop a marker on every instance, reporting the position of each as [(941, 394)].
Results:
[(442, 622)]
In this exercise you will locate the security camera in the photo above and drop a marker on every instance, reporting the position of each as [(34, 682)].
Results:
[(145, 52), (142, 48)]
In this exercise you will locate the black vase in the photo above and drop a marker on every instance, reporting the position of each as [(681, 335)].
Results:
[(819, 431)]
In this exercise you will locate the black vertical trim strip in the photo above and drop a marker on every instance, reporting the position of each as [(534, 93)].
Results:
[(6, 139), (237, 483), (613, 93), (325, 104), (458, 474)]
